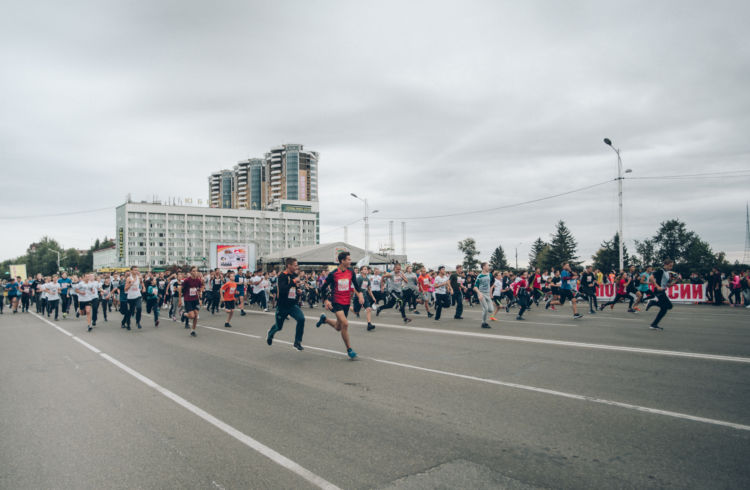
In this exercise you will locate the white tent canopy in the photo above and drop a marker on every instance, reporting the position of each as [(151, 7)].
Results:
[(325, 254)]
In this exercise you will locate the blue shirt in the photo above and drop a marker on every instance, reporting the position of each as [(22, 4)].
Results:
[(64, 284), (567, 280), (12, 288)]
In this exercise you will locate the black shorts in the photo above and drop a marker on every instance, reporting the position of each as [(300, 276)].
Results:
[(497, 299), (228, 305), (565, 294), (555, 290), (83, 304), (338, 307), (191, 306)]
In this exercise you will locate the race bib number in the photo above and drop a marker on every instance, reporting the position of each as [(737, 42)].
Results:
[(193, 291), (343, 284), (364, 284), (292, 293)]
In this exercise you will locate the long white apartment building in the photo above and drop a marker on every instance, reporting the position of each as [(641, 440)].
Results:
[(155, 235)]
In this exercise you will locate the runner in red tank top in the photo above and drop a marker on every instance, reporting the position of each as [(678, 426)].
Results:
[(341, 282)]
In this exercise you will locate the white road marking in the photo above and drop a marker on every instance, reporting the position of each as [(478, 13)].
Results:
[(266, 451), (574, 396), (545, 391), (86, 345), (564, 343)]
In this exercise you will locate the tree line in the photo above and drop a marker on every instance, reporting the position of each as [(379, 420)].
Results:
[(672, 240), (41, 257)]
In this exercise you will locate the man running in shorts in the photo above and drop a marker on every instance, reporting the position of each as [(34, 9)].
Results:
[(228, 290), (87, 290), (425, 284), (190, 294), (567, 290), (363, 281), (341, 281)]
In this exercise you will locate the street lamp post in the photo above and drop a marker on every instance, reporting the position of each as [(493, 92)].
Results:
[(519, 243), (621, 240), (366, 219)]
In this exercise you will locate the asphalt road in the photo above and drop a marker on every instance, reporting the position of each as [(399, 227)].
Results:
[(552, 402)]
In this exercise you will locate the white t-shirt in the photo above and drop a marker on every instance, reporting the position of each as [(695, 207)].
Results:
[(498, 290), (73, 287), (440, 283), (375, 281), (256, 283), (52, 289), (134, 292), (87, 291)]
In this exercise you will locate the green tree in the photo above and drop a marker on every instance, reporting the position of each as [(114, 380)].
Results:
[(469, 248), (416, 266), (672, 240), (563, 247), (607, 258), (538, 249), (498, 261), (646, 256)]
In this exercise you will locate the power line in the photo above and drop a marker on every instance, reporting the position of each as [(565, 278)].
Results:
[(497, 208), (706, 175), (341, 227), (70, 213)]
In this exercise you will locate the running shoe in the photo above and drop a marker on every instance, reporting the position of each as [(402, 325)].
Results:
[(192, 334), (577, 316), (370, 327), (655, 327), (90, 328), (519, 317), (407, 320), (321, 321), (298, 346), (547, 305), (377, 310), (493, 318), (227, 325), (242, 313), (351, 353), (486, 325)]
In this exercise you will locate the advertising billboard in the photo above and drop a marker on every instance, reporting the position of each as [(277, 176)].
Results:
[(226, 256)]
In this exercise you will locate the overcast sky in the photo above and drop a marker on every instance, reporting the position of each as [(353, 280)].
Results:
[(425, 108)]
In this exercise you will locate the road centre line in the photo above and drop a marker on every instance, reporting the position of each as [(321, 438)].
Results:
[(535, 389), (564, 343), (266, 451)]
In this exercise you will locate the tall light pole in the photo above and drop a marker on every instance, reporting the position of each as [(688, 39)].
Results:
[(621, 240), (366, 219), (519, 243)]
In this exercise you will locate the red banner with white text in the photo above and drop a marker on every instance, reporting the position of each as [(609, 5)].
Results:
[(679, 293)]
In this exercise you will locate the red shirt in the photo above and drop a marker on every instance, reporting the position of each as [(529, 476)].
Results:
[(518, 285), (341, 283), (621, 286), (228, 289), (191, 289), (537, 281)]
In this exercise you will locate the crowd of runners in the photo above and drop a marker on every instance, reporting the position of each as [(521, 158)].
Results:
[(366, 290)]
